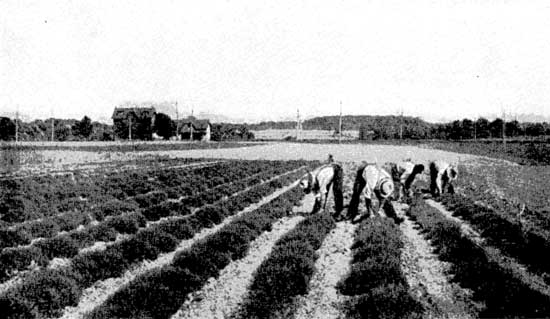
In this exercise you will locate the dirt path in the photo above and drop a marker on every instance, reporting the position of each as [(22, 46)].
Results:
[(101, 290), (427, 275), (222, 296), (334, 262)]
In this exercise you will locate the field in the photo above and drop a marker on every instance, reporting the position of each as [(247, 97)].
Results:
[(281, 134), (227, 233)]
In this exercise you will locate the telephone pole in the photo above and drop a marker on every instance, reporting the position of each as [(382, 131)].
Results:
[(53, 127), (401, 125), (340, 125), (17, 125), (177, 123), (191, 124), (130, 127), (298, 124), (504, 127)]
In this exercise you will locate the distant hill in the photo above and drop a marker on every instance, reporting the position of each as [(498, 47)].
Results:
[(349, 122)]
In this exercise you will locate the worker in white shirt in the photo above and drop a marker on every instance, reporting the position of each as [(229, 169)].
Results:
[(442, 175), (404, 174)]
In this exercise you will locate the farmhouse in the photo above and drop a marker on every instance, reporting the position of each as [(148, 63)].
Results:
[(193, 129), (134, 122)]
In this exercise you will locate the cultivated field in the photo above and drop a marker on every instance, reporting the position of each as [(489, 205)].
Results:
[(226, 233), (273, 134)]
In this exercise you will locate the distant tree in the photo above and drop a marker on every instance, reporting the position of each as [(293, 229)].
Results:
[(482, 128), (467, 129), (496, 128), (164, 126), (62, 132), (7, 129), (83, 128), (455, 130), (513, 128), (535, 129)]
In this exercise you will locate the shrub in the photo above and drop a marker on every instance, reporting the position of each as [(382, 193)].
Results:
[(102, 232), (210, 215), (233, 239), (128, 224), (11, 238), (98, 265), (163, 241), (19, 259), (179, 228), (158, 211), (48, 292), (60, 246), (201, 261), (71, 220), (17, 208), (388, 302), (135, 249), (12, 306), (157, 294), (375, 271), (45, 228), (114, 208), (150, 199)]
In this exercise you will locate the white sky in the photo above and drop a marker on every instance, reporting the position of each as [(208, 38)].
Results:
[(263, 59)]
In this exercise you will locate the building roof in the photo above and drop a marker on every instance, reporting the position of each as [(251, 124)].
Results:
[(122, 112), (199, 125)]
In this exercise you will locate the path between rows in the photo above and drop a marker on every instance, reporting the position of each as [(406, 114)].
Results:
[(222, 296), (520, 271), (334, 262), (101, 290), (427, 275)]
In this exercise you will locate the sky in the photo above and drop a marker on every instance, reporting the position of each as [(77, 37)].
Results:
[(262, 60)]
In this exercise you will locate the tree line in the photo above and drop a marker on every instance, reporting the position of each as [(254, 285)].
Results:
[(407, 127), (88, 130)]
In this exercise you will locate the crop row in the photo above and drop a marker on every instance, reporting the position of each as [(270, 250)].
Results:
[(44, 196), (376, 284), (47, 291), (287, 271), (41, 196), (504, 293), (178, 182), (159, 293), (525, 244), (510, 190), (68, 245)]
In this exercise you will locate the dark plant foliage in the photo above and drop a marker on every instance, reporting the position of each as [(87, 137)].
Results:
[(11, 238), (505, 293), (19, 259)]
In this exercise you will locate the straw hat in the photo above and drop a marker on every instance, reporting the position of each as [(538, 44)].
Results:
[(386, 188)]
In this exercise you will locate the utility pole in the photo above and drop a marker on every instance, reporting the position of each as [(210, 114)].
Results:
[(298, 124), (401, 125), (503, 127), (53, 128), (177, 123), (130, 127), (340, 125), (17, 125), (191, 124)]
